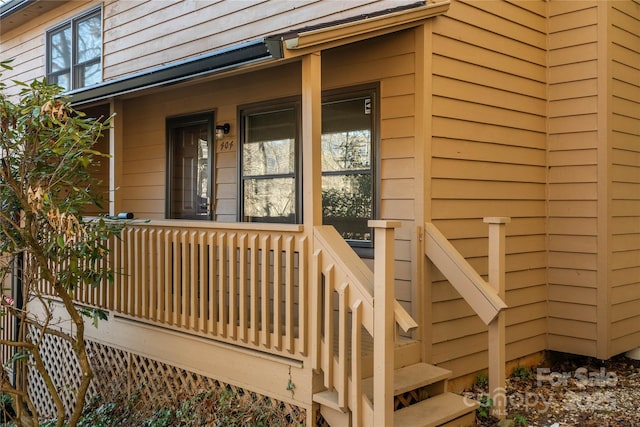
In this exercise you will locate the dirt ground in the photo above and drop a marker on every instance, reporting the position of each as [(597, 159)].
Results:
[(569, 391)]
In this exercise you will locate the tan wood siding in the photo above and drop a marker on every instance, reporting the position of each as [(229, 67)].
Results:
[(388, 61), (140, 34), (489, 159), (573, 175), (624, 78), (144, 164)]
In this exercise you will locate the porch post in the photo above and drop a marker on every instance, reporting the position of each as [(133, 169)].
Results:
[(383, 321), (497, 341), (311, 145), (115, 162), (311, 191)]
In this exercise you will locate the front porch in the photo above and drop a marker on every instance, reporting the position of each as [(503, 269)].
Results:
[(293, 315)]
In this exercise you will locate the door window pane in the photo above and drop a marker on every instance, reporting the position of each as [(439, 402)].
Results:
[(347, 177), (347, 204)]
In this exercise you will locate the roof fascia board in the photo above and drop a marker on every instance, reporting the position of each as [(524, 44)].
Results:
[(350, 32)]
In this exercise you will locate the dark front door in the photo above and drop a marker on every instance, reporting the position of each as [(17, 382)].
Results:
[(190, 168)]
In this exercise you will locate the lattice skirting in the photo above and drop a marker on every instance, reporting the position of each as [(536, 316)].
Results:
[(117, 371)]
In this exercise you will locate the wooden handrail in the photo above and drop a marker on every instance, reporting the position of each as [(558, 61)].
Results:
[(344, 287), (486, 298), (361, 275), (479, 294)]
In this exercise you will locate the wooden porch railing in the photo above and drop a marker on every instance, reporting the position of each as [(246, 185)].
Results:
[(237, 283), (486, 298), (248, 285), (352, 301)]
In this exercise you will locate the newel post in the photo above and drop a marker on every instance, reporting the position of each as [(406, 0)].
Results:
[(383, 320), (497, 341)]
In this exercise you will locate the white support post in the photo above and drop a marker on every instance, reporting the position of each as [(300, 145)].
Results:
[(383, 321), (497, 341)]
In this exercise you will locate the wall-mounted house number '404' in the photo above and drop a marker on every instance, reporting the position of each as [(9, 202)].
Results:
[(226, 145)]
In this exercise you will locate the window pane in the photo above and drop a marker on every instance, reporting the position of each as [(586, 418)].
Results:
[(269, 200), (60, 50), (268, 157), (89, 74), (88, 39), (347, 204), (343, 151), (269, 148), (61, 80)]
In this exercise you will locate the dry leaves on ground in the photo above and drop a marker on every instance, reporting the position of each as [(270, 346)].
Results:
[(571, 391)]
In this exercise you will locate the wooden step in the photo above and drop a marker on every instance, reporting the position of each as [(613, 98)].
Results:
[(410, 378), (447, 409), (328, 398)]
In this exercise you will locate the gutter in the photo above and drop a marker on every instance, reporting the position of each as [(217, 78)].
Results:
[(284, 45), (181, 71), (13, 6)]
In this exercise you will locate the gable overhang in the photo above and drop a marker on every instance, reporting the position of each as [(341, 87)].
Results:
[(338, 33), (221, 60), (14, 13)]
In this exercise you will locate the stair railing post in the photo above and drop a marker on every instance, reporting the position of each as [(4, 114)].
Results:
[(497, 341), (383, 321)]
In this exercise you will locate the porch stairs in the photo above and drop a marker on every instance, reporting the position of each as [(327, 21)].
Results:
[(421, 400)]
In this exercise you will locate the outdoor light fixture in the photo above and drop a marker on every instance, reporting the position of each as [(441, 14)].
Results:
[(222, 130)]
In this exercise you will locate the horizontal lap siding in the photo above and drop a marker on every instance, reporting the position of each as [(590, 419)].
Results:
[(625, 175), (489, 159), (141, 34), (573, 177), (389, 61), (143, 188)]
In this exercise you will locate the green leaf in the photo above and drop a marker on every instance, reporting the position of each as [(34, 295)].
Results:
[(18, 356), (60, 241)]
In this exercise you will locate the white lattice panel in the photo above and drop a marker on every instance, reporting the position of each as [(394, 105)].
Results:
[(149, 378)]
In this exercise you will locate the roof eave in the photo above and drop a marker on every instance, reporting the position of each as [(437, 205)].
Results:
[(349, 32)]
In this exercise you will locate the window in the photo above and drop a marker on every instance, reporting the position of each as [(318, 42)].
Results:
[(74, 52), (269, 164), (347, 166), (189, 160)]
